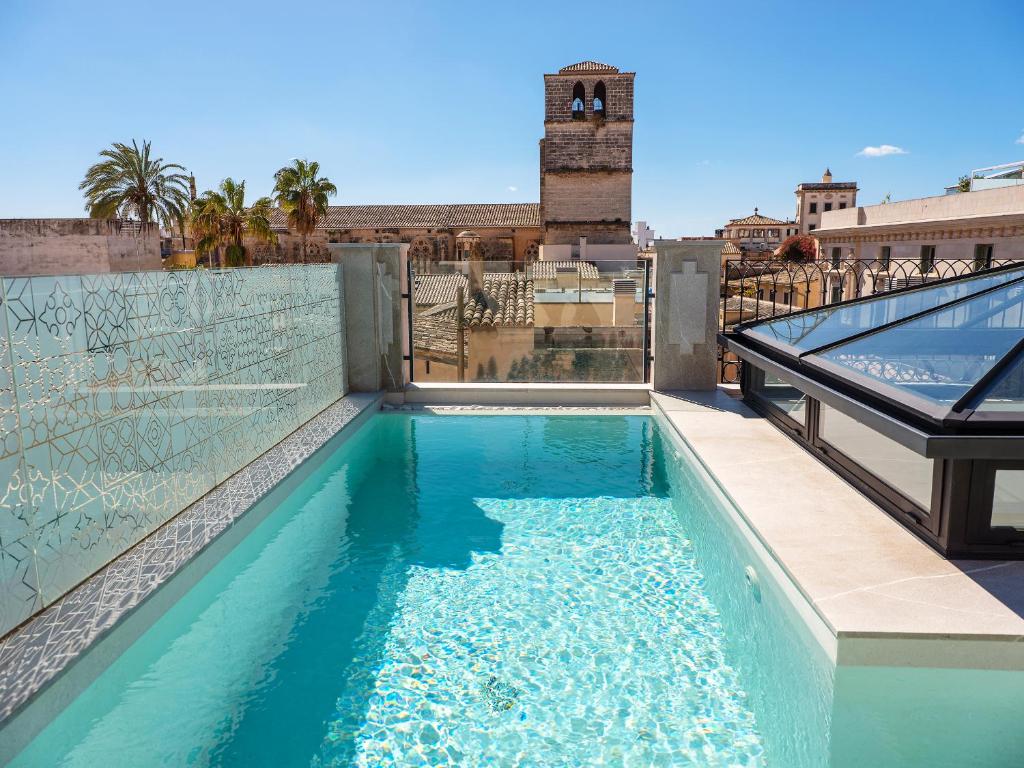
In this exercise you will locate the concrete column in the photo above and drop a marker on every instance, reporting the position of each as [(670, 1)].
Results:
[(376, 333), (686, 303)]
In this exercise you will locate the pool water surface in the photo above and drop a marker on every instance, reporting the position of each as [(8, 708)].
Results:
[(467, 590)]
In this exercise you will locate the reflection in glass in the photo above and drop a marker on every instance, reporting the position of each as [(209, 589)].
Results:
[(941, 355), (898, 466), (1008, 499), (827, 325), (781, 394)]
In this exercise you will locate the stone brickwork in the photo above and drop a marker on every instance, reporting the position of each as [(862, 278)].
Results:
[(76, 246), (586, 156), (604, 197)]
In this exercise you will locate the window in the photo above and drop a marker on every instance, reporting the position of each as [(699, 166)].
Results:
[(811, 227), (828, 206), (579, 98), (837, 294), (744, 233), (907, 472), (599, 100), (771, 296), (884, 256), (781, 395), (982, 256), (785, 297), (837, 256), (927, 258), (842, 206), (814, 208), (1008, 499)]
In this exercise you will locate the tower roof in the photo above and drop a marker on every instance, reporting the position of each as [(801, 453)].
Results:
[(587, 66)]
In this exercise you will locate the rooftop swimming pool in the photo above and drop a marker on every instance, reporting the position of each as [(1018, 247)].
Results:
[(478, 590)]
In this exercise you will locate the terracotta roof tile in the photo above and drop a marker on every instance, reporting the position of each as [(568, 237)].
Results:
[(587, 66), (438, 288), (546, 270), (759, 219), (451, 216), (506, 300)]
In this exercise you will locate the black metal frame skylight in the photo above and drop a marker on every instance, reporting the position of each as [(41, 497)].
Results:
[(915, 396), (934, 354)]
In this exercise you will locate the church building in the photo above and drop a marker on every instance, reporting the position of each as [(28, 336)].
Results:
[(586, 176)]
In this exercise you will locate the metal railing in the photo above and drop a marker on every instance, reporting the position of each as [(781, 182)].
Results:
[(758, 289)]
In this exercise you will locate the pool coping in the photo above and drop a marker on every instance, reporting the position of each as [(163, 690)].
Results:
[(886, 597), (34, 655)]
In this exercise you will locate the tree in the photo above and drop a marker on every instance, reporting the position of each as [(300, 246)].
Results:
[(302, 195), (963, 184), (222, 220), (798, 248), (130, 184)]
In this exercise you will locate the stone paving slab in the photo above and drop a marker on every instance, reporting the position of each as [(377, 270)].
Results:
[(863, 573)]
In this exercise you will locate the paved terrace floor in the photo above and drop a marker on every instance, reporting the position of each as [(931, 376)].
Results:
[(886, 596)]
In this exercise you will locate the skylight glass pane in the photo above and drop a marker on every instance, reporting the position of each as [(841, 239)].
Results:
[(939, 356), (1007, 392), (831, 324)]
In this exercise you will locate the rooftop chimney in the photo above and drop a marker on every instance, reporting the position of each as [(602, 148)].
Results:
[(826, 177)]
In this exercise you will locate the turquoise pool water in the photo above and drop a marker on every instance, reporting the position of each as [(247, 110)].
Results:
[(470, 590)]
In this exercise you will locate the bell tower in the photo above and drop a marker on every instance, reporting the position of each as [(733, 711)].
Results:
[(586, 155)]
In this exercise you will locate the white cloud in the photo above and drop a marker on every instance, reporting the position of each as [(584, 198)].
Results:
[(881, 151), (513, 189), (704, 162), (1020, 140)]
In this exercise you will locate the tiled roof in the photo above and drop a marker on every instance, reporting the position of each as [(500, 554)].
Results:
[(751, 305), (451, 216), (436, 335), (437, 288), (758, 219), (506, 300), (729, 249), (546, 270), (587, 66)]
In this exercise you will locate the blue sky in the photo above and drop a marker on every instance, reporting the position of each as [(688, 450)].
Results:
[(736, 102)]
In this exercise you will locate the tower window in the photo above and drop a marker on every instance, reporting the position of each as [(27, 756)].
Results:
[(599, 100), (579, 97)]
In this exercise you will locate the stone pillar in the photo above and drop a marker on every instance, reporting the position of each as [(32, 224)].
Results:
[(687, 275), (376, 327)]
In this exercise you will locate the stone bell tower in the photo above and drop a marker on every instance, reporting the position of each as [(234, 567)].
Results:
[(586, 155)]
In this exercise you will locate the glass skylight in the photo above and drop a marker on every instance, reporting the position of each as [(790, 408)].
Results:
[(811, 330), (942, 354)]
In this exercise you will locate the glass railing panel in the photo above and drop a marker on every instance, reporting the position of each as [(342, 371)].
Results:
[(490, 321)]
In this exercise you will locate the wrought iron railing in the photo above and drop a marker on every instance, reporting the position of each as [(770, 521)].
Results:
[(757, 289)]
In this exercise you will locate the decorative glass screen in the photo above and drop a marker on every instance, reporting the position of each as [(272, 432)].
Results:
[(124, 397)]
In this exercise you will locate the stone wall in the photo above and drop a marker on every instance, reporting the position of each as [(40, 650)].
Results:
[(618, 92), (588, 145), (589, 197), (76, 246)]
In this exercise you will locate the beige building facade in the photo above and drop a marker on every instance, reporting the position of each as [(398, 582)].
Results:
[(983, 228), (815, 199), (76, 246)]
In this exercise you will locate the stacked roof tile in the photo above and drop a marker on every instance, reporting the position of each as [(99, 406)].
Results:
[(438, 288), (546, 270), (505, 300), (587, 66)]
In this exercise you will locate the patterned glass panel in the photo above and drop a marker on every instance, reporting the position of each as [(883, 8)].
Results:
[(125, 397)]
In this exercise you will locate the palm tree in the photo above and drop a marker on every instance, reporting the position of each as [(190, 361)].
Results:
[(303, 196), (221, 220), (130, 184)]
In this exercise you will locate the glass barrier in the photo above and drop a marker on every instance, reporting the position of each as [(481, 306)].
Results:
[(124, 397), (500, 321)]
